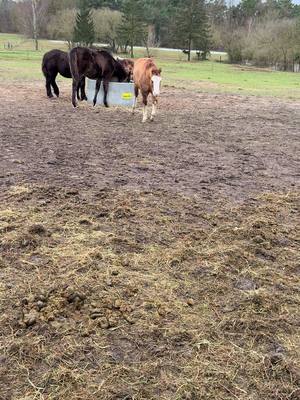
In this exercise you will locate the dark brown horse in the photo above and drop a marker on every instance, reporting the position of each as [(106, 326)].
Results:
[(95, 64), (57, 62)]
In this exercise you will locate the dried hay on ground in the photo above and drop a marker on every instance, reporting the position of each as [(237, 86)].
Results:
[(146, 295)]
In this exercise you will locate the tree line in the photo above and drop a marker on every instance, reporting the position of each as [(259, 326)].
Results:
[(263, 32)]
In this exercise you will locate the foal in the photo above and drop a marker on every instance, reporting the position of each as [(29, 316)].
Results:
[(57, 62), (147, 79)]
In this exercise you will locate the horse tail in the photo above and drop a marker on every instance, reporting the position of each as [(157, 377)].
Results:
[(73, 63), (44, 67)]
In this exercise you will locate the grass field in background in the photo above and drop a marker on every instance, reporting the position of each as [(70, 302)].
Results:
[(23, 63)]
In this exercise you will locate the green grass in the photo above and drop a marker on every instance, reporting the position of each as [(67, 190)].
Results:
[(23, 63), (21, 43), (218, 77)]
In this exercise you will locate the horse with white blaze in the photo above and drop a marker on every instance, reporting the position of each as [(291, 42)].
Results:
[(147, 79)]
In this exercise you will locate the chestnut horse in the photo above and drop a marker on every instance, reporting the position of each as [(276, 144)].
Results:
[(94, 64), (147, 79), (128, 65), (57, 62)]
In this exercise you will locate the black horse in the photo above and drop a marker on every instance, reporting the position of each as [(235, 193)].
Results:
[(95, 64), (57, 62)]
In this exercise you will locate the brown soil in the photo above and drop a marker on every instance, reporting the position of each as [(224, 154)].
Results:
[(143, 261), (214, 146)]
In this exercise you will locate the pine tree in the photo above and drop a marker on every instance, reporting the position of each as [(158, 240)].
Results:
[(191, 24), (133, 29), (203, 40), (84, 32)]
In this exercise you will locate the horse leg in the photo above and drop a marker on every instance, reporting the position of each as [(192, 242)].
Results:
[(79, 89), (145, 116), (75, 84), (136, 93), (105, 89), (98, 85), (55, 87), (154, 105), (48, 86), (82, 89)]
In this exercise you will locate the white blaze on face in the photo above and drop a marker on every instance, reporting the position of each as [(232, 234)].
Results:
[(156, 84)]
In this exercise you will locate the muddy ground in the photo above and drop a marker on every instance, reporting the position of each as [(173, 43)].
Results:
[(214, 146), (149, 261)]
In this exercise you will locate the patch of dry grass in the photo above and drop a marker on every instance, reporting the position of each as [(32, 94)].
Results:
[(141, 295)]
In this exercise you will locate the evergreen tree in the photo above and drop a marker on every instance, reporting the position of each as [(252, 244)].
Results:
[(133, 29), (203, 40), (84, 32), (191, 29), (157, 13)]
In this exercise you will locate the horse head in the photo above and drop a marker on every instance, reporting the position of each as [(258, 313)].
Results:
[(128, 65), (121, 72), (156, 81)]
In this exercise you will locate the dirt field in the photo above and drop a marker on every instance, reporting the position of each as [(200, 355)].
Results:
[(213, 146), (149, 261)]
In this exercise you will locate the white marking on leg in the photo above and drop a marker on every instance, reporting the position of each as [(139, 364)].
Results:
[(153, 113), (144, 113)]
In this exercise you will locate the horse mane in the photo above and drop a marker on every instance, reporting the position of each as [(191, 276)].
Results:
[(103, 52), (150, 65)]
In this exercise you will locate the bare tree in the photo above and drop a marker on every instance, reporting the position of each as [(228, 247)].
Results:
[(34, 23), (61, 25), (276, 43), (31, 17), (107, 22)]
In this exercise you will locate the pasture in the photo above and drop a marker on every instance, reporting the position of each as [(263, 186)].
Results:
[(22, 63), (150, 261)]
